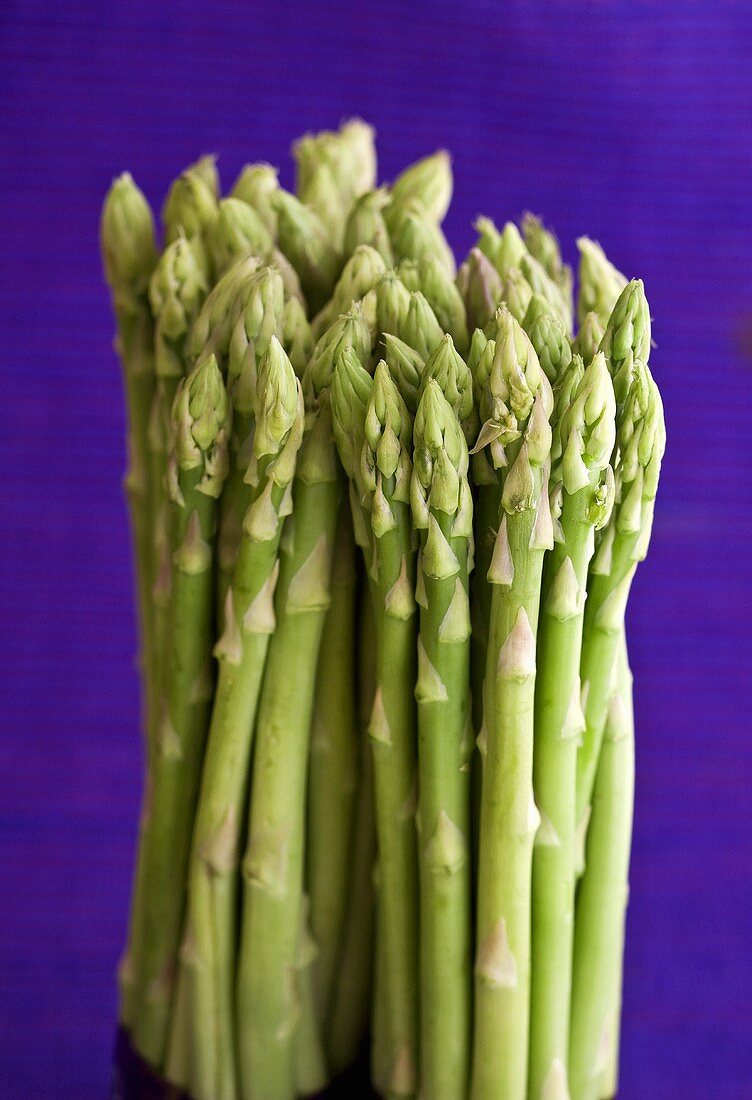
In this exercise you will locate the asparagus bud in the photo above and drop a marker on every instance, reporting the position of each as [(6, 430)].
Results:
[(201, 423), (430, 181), (366, 225), (421, 330), (348, 331), (505, 250), (176, 291), (414, 235), (305, 241), (257, 185), (481, 288), (127, 238), (224, 305), (544, 246), (516, 293), (449, 369), (600, 283), (549, 338), (190, 208), (406, 368), (238, 231)]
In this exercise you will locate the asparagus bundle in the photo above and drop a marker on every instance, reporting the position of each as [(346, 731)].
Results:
[(386, 516)]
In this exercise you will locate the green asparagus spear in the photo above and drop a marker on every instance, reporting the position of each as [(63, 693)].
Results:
[(442, 512), (584, 432), (177, 288), (200, 422), (515, 410), (640, 442), (268, 998), (602, 899), (382, 480), (206, 977), (129, 255)]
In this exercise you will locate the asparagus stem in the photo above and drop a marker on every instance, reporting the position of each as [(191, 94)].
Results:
[(583, 441), (442, 511), (601, 903), (609, 1079), (351, 994), (129, 255), (201, 426), (333, 772), (640, 442), (268, 1000), (515, 408), (386, 479), (206, 975), (311, 1072)]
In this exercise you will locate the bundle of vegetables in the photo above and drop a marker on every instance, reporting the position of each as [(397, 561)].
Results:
[(385, 518)]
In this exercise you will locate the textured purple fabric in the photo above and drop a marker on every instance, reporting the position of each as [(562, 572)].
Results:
[(628, 121)]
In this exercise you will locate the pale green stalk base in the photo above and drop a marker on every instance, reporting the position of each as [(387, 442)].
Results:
[(507, 827), (601, 902), (267, 997), (444, 843), (311, 1072), (333, 773), (558, 726), (169, 819)]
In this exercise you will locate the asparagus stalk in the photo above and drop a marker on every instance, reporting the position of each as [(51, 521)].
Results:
[(200, 421), (640, 442), (610, 1075), (602, 899), (268, 997), (584, 436), (515, 409), (206, 976), (351, 996), (176, 290), (383, 487), (442, 511), (129, 255), (311, 1072), (333, 772)]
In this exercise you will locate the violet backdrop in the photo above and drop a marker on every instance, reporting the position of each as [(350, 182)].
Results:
[(627, 121)]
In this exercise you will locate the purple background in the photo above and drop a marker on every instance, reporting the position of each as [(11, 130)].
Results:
[(628, 121)]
